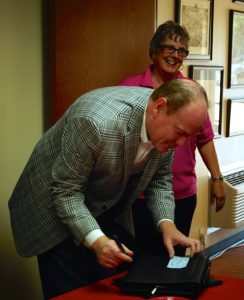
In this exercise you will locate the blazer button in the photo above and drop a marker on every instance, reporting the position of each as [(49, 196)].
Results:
[(104, 207)]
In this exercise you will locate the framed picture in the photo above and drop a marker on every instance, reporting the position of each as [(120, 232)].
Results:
[(236, 50), (211, 78), (234, 118), (197, 17)]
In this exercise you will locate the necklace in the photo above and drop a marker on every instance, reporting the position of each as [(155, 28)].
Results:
[(156, 82)]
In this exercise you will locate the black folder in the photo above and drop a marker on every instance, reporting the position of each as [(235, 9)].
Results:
[(149, 277)]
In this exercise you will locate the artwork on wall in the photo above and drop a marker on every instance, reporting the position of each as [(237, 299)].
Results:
[(211, 78), (234, 118), (197, 17), (236, 49), (238, 1)]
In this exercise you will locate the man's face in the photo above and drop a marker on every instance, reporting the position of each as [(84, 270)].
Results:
[(166, 62), (168, 131)]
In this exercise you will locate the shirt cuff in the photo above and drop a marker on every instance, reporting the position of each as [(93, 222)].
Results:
[(160, 221), (93, 236)]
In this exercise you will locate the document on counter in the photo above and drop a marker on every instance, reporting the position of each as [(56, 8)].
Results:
[(178, 262)]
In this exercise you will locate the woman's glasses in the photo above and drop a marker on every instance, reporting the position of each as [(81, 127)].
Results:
[(183, 52)]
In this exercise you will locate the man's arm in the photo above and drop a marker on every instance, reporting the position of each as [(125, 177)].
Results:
[(172, 237), (159, 194), (161, 203), (71, 171), (70, 174)]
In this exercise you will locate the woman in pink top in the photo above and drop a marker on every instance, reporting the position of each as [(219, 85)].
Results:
[(168, 50)]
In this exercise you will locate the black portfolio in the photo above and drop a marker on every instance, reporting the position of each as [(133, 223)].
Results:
[(149, 277)]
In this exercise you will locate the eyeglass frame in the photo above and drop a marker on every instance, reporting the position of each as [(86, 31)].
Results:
[(183, 52)]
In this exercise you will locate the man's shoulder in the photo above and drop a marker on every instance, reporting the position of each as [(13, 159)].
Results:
[(109, 101), (111, 91), (114, 93)]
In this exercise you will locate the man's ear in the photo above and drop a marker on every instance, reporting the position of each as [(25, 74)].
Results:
[(158, 105)]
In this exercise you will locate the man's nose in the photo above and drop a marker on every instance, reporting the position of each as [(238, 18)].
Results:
[(181, 141)]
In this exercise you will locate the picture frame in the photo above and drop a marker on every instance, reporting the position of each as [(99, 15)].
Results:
[(211, 78), (197, 17), (235, 76), (238, 1), (234, 117)]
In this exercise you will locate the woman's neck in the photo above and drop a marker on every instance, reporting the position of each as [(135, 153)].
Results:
[(160, 78)]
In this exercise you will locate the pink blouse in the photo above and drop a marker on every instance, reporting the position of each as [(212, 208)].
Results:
[(183, 168)]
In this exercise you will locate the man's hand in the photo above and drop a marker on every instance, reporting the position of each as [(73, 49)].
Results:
[(172, 237), (217, 194), (108, 253)]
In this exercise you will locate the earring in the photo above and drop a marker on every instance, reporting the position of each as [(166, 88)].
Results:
[(181, 68)]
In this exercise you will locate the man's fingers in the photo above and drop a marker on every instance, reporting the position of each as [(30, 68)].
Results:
[(128, 251), (196, 247), (107, 262), (171, 251)]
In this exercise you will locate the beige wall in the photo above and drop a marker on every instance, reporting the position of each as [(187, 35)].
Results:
[(21, 126), (21, 123), (228, 149)]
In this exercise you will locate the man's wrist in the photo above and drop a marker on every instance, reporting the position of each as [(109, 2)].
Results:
[(93, 236), (163, 221)]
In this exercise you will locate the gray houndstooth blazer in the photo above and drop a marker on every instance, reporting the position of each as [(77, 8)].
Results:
[(80, 168)]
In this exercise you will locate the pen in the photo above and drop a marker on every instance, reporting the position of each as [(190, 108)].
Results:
[(117, 241)]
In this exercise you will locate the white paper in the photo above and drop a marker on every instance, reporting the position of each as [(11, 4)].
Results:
[(178, 262)]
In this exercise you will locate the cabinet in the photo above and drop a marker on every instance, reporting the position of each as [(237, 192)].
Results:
[(91, 44)]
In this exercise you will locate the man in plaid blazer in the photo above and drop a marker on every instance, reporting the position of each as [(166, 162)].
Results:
[(78, 187)]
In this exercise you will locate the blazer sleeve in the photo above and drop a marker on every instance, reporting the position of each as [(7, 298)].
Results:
[(70, 173), (159, 193)]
